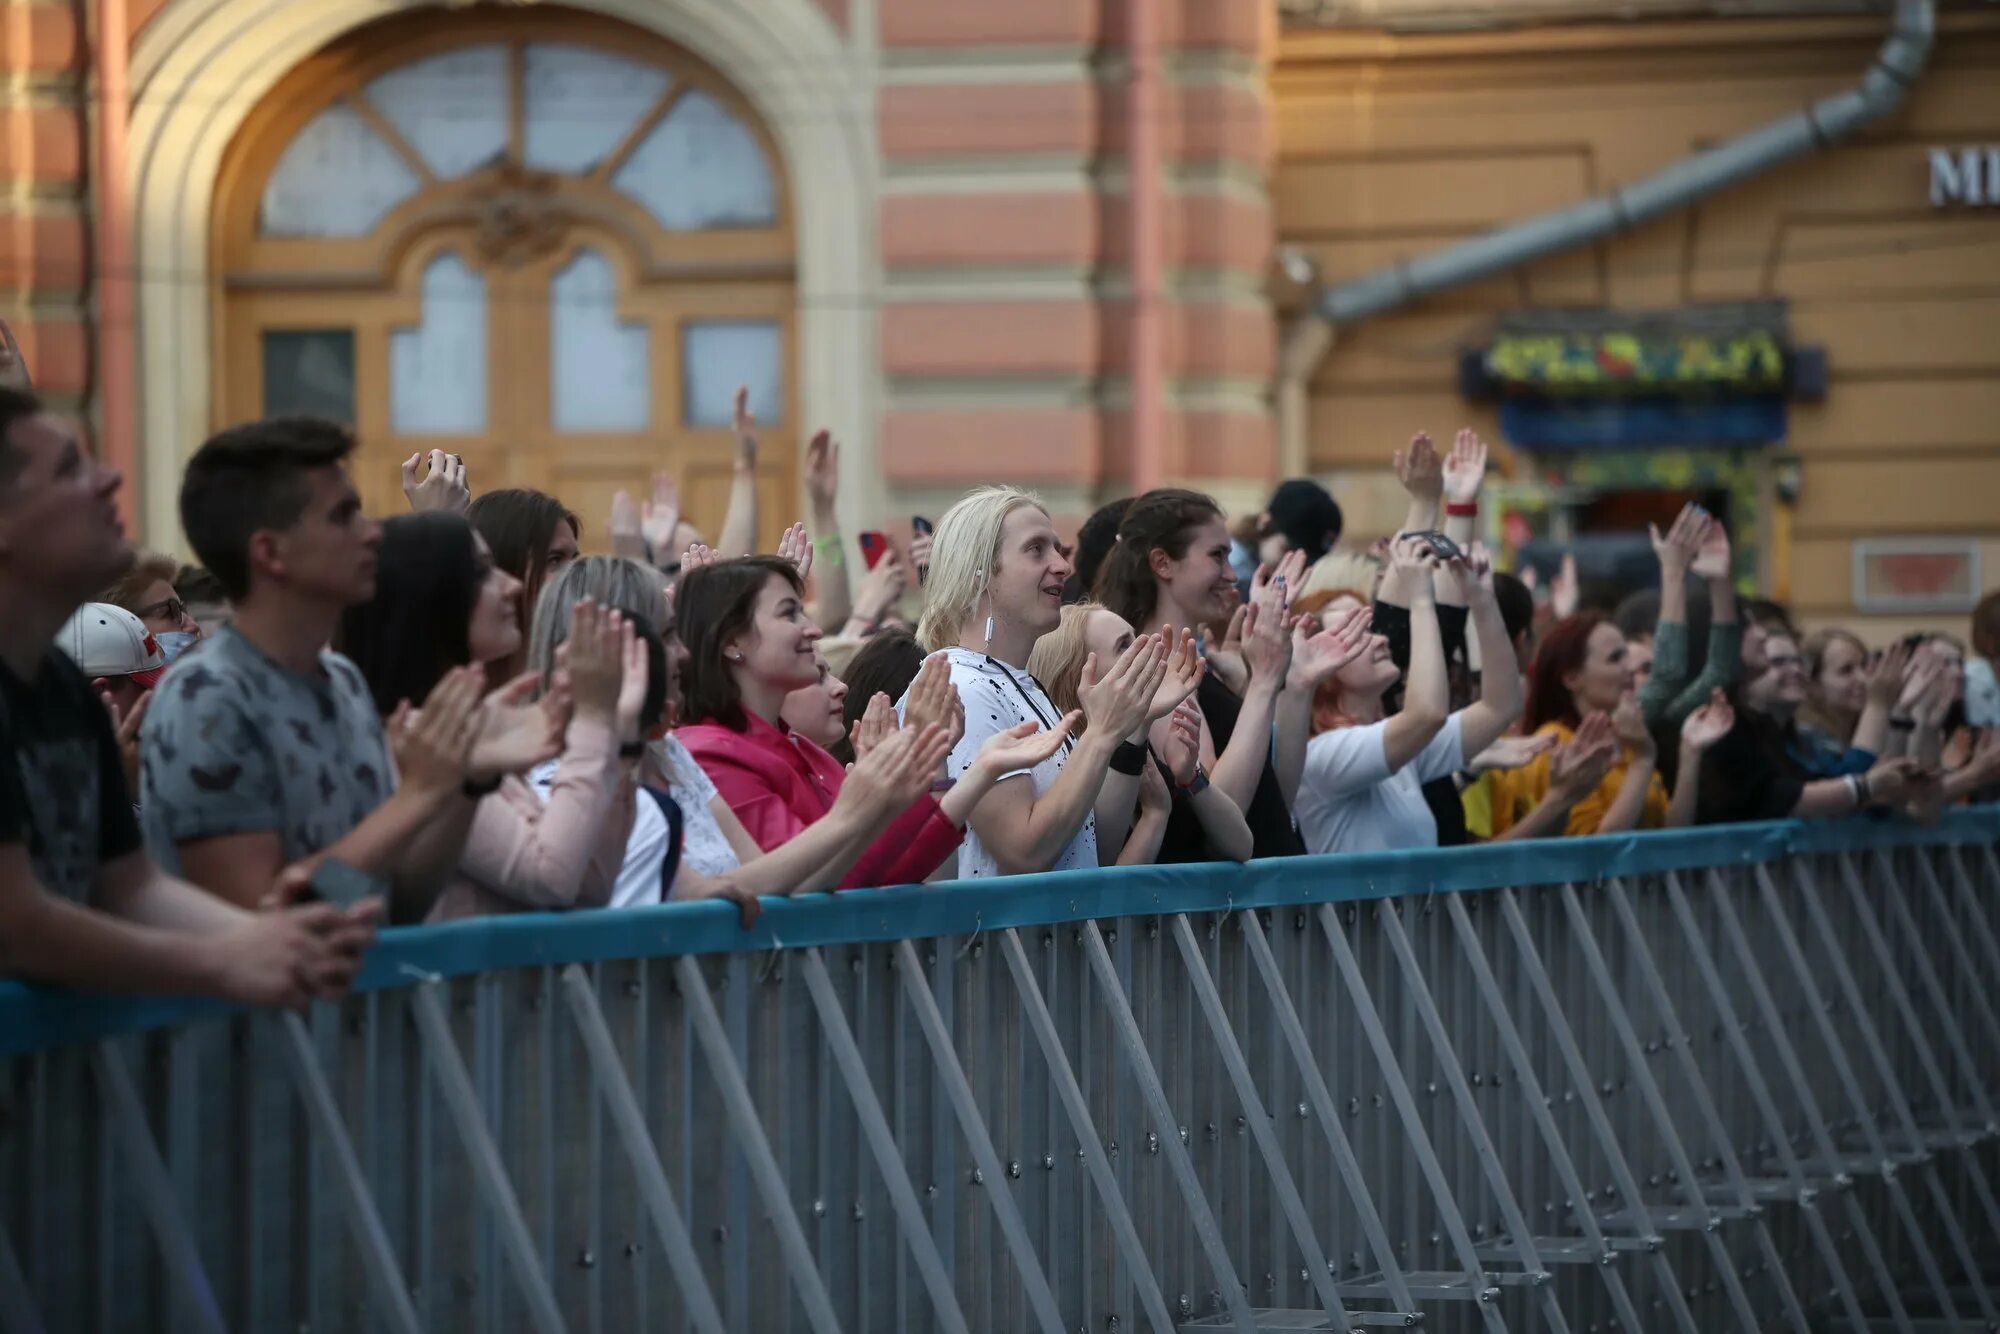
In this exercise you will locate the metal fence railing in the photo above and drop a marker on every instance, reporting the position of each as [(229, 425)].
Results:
[(1698, 1081)]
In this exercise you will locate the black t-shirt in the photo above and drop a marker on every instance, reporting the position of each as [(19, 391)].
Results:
[(1269, 818), (1749, 774), (62, 785)]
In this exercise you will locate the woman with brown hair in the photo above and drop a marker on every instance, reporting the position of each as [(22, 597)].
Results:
[(532, 536), (1170, 567), (750, 647)]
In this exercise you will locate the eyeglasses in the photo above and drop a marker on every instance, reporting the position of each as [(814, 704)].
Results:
[(1785, 664), (172, 608)]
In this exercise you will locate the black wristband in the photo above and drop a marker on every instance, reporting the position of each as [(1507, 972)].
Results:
[(631, 750), (1128, 759), (475, 791), (1902, 724)]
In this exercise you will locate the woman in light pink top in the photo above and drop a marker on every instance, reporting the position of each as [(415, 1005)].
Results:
[(440, 603)]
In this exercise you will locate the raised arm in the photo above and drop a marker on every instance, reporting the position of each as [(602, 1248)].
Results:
[(1421, 472), (738, 536), (1714, 565), (833, 595), (1498, 707), (1267, 649), (1316, 659), (1427, 691), (1703, 728), (1676, 552), (1464, 475)]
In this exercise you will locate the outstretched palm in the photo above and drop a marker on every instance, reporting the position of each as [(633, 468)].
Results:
[(1708, 724), (1316, 658)]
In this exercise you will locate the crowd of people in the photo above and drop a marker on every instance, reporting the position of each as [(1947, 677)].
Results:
[(224, 777)]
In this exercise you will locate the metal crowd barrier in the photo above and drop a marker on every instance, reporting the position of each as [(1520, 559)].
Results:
[(1699, 1081)]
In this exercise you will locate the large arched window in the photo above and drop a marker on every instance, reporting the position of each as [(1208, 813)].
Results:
[(547, 242)]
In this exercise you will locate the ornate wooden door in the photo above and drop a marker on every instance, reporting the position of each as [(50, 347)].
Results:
[(553, 245)]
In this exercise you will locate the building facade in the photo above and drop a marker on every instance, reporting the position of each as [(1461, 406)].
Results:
[(1031, 243)]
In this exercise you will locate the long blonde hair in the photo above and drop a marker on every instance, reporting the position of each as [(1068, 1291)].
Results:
[(964, 553), (1058, 658)]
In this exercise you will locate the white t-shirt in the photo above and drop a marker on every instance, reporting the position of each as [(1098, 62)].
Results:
[(703, 845), (998, 697), (1350, 802)]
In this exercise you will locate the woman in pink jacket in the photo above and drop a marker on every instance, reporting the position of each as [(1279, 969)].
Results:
[(750, 645)]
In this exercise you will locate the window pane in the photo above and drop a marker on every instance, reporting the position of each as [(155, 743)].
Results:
[(601, 376), (719, 355), (700, 167), (337, 178), (437, 371), (309, 371), (582, 103), (451, 108)]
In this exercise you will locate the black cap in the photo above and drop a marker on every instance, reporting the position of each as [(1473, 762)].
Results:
[(1306, 514)]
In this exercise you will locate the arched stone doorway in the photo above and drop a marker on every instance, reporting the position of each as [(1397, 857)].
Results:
[(203, 69), (541, 240)]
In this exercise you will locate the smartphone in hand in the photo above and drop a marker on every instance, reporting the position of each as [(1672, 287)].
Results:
[(922, 527), (1444, 547), (13, 362), (874, 546)]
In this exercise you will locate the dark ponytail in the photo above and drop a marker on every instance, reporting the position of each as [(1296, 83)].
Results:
[(1163, 520)]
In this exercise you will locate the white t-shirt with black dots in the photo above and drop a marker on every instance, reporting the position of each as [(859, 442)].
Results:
[(996, 698)]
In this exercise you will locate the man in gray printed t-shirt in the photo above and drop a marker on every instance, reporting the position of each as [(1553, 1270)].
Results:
[(235, 743)]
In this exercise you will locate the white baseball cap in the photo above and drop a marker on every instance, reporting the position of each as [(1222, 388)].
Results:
[(105, 640)]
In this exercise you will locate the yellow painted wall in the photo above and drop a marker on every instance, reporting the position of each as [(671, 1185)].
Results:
[(1390, 147)]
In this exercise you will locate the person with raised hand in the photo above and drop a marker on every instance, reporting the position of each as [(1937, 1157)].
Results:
[(1696, 545), (881, 589), (749, 646), (1170, 567), (1362, 785), (1753, 772), (832, 595), (1089, 632), (1704, 728), (443, 486), (738, 534), (1843, 727), (996, 587), (1316, 661), (82, 904)]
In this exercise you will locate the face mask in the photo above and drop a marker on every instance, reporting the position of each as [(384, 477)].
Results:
[(173, 643)]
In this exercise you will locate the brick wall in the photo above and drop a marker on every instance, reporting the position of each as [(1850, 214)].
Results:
[(44, 171), (1005, 237)]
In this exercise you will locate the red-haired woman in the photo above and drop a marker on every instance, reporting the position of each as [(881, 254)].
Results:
[(1583, 668)]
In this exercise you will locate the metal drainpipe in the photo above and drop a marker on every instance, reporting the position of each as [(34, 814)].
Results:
[(1881, 90)]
